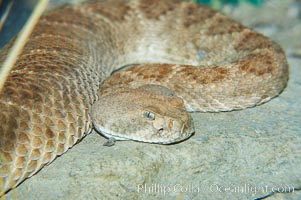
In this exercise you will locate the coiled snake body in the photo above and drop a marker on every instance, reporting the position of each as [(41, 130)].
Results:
[(211, 62)]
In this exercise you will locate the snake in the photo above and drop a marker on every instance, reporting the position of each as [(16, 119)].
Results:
[(132, 70)]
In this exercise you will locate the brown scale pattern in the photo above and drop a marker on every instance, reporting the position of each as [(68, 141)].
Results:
[(251, 40), (117, 11), (151, 10), (262, 63), (44, 106), (223, 25), (192, 14)]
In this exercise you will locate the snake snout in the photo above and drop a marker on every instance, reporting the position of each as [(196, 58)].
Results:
[(178, 129)]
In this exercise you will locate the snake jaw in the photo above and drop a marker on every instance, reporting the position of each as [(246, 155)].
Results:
[(153, 133)]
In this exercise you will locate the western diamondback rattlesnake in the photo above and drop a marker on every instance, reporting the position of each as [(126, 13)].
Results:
[(211, 62)]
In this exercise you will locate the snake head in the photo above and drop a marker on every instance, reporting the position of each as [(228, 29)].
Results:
[(142, 115)]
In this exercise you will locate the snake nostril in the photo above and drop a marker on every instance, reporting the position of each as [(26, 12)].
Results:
[(160, 131)]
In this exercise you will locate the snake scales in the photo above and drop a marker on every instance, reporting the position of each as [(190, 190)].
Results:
[(212, 62)]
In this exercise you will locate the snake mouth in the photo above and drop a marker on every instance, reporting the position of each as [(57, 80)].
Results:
[(177, 140), (189, 132)]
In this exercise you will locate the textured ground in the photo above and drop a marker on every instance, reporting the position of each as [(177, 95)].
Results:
[(233, 155)]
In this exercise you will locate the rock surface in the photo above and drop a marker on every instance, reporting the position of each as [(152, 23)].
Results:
[(244, 154)]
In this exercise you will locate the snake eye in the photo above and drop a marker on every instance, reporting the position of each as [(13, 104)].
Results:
[(149, 115)]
